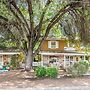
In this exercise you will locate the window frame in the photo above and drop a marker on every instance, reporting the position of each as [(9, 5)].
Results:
[(53, 47)]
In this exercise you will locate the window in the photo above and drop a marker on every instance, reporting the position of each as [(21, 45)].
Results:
[(53, 44)]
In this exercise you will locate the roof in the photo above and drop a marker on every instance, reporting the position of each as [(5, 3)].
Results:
[(66, 54), (54, 38)]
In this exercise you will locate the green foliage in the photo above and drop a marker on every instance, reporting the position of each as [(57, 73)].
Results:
[(21, 57), (40, 71), (86, 63), (14, 63), (79, 68), (52, 72)]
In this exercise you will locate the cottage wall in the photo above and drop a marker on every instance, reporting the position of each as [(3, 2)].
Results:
[(61, 45)]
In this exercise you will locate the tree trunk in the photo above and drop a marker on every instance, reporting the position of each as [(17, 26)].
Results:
[(29, 58)]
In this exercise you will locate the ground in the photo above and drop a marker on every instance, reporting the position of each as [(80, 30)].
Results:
[(18, 79)]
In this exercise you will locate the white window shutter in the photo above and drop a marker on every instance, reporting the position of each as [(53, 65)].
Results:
[(49, 44), (57, 44)]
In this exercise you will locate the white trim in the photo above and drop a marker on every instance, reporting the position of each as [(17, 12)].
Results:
[(9, 53), (49, 44), (57, 44)]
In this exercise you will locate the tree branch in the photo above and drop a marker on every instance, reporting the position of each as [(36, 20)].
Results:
[(37, 29), (4, 18), (43, 14), (30, 10), (12, 2), (17, 17), (56, 18)]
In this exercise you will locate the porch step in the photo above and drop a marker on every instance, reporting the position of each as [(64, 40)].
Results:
[(61, 72)]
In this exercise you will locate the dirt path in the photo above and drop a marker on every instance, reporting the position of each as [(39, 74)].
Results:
[(14, 79)]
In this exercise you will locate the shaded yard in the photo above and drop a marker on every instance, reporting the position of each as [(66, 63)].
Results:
[(16, 79)]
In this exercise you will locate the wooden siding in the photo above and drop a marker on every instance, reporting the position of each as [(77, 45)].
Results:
[(62, 44)]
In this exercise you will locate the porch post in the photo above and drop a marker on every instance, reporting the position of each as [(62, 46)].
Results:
[(41, 57), (64, 61), (84, 57), (69, 60), (89, 58)]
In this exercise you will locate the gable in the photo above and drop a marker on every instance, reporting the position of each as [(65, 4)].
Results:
[(53, 45)]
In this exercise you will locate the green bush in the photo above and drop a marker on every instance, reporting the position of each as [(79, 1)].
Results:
[(40, 71), (52, 72), (79, 68)]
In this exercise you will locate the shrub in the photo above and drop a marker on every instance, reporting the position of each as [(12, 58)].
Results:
[(73, 71), (40, 71), (79, 68), (86, 63), (52, 72), (14, 63)]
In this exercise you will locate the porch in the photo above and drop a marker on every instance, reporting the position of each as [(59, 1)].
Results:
[(63, 59), (5, 57)]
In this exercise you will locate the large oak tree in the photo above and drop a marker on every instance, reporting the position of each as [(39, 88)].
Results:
[(32, 20)]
